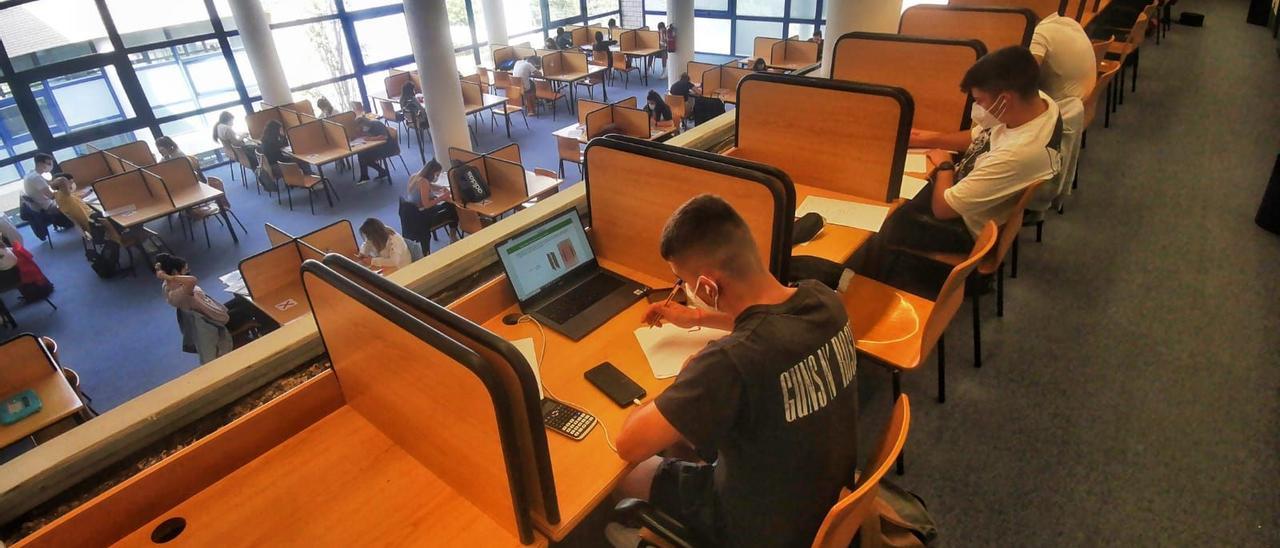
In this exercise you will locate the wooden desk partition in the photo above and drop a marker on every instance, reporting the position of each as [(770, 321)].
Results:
[(28, 366), (472, 96), (597, 120), (638, 40), (88, 169), (438, 400), (257, 121), (930, 69), (337, 237), (275, 235), (634, 186), (510, 153), (273, 283), (629, 102), (137, 152), (318, 138), (506, 182), (794, 54), (1042, 8), (724, 79), (461, 155), (179, 179), (696, 69), (762, 47), (502, 54), (995, 27), (587, 106), (574, 63), (393, 84), (632, 122), (553, 64), (843, 136), (142, 190), (348, 120)]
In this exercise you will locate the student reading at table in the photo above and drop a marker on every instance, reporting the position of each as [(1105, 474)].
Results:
[(426, 192), (202, 320), (36, 205), (1014, 142), (759, 66), (73, 207), (524, 70), (226, 135), (273, 144), (374, 131), (383, 246), (684, 87), (776, 399), (601, 47), (658, 109), (325, 107)]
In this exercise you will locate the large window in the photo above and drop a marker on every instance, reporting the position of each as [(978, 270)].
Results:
[(383, 38), (48, 31), (141, 22), (729, 27)]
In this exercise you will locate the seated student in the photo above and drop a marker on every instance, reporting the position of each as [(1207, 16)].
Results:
[(36, 203), (70, 205), (383, 246), (467, 179), (759, 66), (550, 43), (564, 40), (525, 70), (226, 135), (776, 399), (430, 194), (18, 268), (817, 36), (374, 131), (325, 107), (658, 109), (1065, 55), (684, 87), (9, 238), (613, 30), (202, 320), (273, 145), (1014, 142), (601, 47)]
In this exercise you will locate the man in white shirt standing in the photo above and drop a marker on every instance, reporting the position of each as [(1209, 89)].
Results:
[(34, 185), (1065, 55), (1014, 142)]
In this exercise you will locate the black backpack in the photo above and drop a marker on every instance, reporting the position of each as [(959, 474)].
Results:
[(472, 185), (105, 261)]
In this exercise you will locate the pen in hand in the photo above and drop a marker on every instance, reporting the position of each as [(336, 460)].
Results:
[(670, 296)]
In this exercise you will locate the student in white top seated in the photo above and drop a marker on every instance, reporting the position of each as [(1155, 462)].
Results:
[(1065, 55), (1014, 142), (383, 246)]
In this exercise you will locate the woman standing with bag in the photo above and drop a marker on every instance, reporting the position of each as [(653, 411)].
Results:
[(202, 320)]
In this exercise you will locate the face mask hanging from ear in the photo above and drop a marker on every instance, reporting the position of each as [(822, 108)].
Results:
[(985, 118), (691, 295)]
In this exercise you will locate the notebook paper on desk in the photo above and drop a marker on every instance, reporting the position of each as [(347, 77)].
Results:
[(668, 347), (845, 213), (530, 353), (911, 186), (916, 162)]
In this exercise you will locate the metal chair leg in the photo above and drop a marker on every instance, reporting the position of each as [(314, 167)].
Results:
[(900, 465), (1013, 272)]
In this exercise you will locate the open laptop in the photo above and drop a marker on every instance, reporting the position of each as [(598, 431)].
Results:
[(558, 281)]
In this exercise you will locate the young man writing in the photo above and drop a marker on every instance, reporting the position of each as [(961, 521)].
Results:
[(776, 399), (1014, 142)]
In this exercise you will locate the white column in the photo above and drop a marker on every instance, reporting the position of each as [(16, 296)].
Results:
[(428, 22), (255, 32), (845, 16), (495, 21), (680, 14)]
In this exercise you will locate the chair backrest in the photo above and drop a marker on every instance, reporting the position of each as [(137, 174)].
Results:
[(1009, 230), (541, 86), (216, 182), (854, 508), (1138, 33), (515, 96), (1100, 49), (501, 79), (568, 149), (994, 27), (676, 102), (240, 155), (1108, 70), (291, 173), (544, 172), (388, 109), (468, 220), (952, 292)]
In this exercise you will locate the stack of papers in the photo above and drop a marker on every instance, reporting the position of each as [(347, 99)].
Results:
[(235, 283), (122, 211), (911, 186), (530, 353), (845, 213), (916, 163), (668, 347)]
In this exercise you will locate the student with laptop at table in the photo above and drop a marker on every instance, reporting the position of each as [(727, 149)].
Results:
[(1014, 142), (776, 399)]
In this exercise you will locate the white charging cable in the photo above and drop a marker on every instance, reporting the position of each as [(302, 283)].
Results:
[(542, 351)]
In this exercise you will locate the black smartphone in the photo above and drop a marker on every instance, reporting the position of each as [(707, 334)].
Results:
[(620, 388), (566, 420)]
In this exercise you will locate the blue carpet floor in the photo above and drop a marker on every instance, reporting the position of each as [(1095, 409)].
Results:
[(122, 337)]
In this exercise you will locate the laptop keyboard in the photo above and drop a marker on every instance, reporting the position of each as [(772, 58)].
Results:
[(580, 298)]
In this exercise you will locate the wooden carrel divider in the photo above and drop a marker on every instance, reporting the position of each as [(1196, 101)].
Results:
[(995, 27), (930, 69), (337, 237), (274, 273), (276, 235), (440, 401), (1042, 8), (842, 136)]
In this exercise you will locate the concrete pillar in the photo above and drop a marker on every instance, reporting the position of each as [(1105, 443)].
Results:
[(845, 16), (680, 14), (495, 21), (255, 32), (428, 22)]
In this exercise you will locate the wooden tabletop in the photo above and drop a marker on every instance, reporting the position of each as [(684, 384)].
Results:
[(335, 154), (340, 481), (576, 131), (835, 242), (27, 367), (572, 77), (498, 204), (725, 94), (586, 471), (490, 101), (644, 52), (195, 195), (141, 215), (283, 306), (536, 184)]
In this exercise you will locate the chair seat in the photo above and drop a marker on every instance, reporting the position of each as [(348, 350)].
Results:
[(204, 211), (308, 182), (888, 322), (511, 109)]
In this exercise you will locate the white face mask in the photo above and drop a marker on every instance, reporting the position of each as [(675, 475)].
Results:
[(985, 118), (691, 295)]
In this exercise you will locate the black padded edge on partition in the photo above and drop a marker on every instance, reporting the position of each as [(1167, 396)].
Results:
[(784, 209), (979, 49), (1029, 15), (905, 104), (456, 351), (782, 216), (481, 335)]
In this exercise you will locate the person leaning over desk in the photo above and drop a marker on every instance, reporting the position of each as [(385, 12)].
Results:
[(383, 246), (426, 192), (776, 398), (1014, 142), (659, 111)]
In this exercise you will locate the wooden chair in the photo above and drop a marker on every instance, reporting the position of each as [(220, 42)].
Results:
[(592, 81), (569, 151), (295, 178), (388, 113), (533, 200), (676, 102), (206, 210), (502, 81), (72, 377), (514, 104), (621, 64), (544, 93), (852, 513), (898, 329), (1126, 51), (393, 135), (236, 154), (265, 171), (469, 222), (486, 79), (1091, 107)]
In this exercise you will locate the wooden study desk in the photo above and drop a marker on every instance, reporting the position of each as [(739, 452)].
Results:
[(28, 367), (502, 200), (586, 471), (835, 242), (579, 133), (488, 102), (570, 78)]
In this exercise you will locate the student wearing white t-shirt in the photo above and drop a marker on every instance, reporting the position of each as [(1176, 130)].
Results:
[(1015, 142), (1065, 54)]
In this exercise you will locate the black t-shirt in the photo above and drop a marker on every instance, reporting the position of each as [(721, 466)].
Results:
[(682, 88), (777, 398), (660, 113), (565, 41)]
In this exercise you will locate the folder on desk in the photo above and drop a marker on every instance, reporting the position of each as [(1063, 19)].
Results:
[(911, 186), (845, 213), (669, 347)]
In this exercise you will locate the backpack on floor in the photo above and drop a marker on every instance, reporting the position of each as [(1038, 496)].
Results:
[(904, 520), (104, 260)]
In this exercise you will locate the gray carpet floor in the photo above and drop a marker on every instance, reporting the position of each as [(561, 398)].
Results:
[(1130, 394)]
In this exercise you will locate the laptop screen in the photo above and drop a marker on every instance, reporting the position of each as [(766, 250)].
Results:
[(546, 253)]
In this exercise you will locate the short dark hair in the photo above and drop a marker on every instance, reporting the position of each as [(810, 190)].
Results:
[(707, 227), (1006, 69), (170, 264), (43, 157)]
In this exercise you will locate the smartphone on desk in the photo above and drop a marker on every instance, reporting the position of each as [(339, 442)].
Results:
[(615, 384)]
